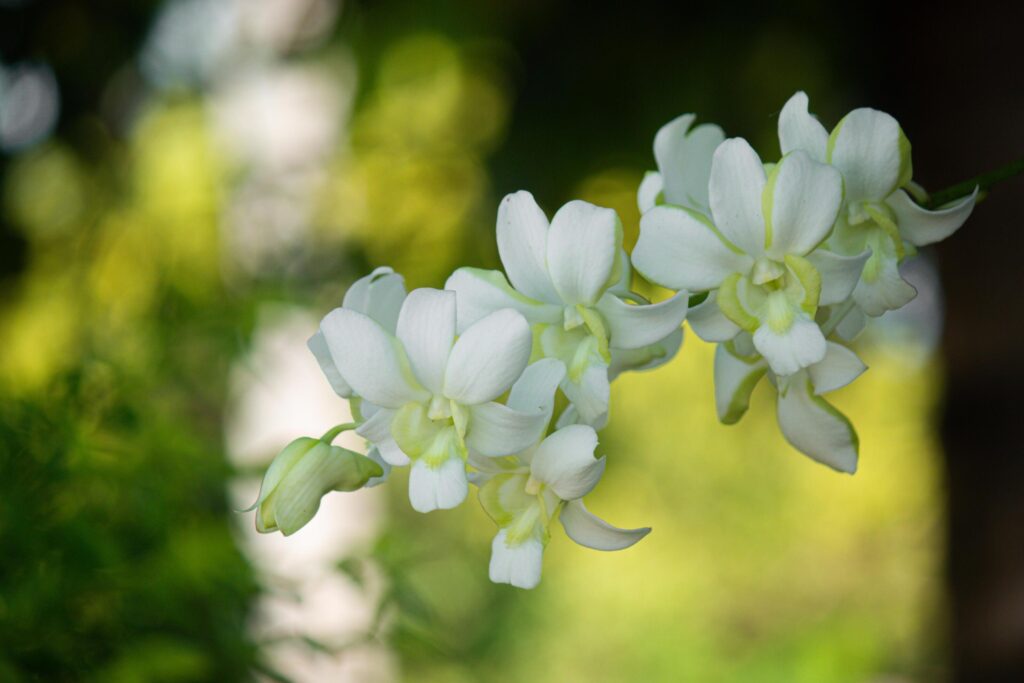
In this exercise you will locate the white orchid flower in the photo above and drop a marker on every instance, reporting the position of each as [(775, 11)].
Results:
[(810, 424), (301, 474), (753, 253), (378, 295), (525, 492), (871, 151), (434, 394), (570, 278), (683, 153)]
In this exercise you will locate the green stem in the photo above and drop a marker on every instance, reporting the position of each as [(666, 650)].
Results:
[(983, 182), (332, 433)]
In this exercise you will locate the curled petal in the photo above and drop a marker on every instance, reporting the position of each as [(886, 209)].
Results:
[(817, 429), (496, 429), (684, 159), (588, 530), (839, 274), (565, 462), (482, 292), (839, 367), (633, 327), (920, 226), (317, 344), (735, 379), (649, 191), (378, 295), (709, 323), (535, 389)]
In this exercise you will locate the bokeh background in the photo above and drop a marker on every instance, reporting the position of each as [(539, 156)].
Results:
[(187, 186)]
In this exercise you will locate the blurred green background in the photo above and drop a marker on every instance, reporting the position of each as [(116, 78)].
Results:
[(187, 186)]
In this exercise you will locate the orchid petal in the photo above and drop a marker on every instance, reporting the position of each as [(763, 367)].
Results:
[(817, 429), (378, 295), (803, 198), (426, 328), (735, 379), (583, 244), (482, 292), (871, 151), (839, 367), (372, 362), (489, 356), (535, 389), (798, 129), (317, 344), (440, 487), (565, 462), (522, 243), (590, 531), (519, 564), (735, 189), (801, 345), (920, 226), (646, 357), (839, 274), (650, 188), (709, 323), (633, 327), (684, 159), (496, 430)]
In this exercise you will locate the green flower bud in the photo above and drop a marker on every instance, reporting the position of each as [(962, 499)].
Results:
[(299, 477)]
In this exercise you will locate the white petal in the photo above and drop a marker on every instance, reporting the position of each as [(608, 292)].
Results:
[(391, 453), (839, 274), (635, 326), (736, 184), (647, 194), (437, 488), (426, 328), (709, 323), (583, 243), (869, 149), (519, 565), (624, 284), (378, 295), (852, 324), (684, 160), (805, 199), (920, 226), (496, 429), (886, 291), (488, 358), (590, 395), (839, 367), (318, 345), (535, 389), (816, 429), (799, 130), (588, 530), (377, 427), (798, 347), (680, 250), (482, 292), (646, 357), (735, 379), (565, 462), (372, 362), (522, 244)]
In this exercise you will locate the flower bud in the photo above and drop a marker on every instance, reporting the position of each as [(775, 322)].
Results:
[(299, 477)]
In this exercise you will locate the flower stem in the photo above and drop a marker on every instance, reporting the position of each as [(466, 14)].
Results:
[(333, 432), (983, 181)]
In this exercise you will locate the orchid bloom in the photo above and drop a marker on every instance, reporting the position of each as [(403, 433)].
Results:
[(683, 153), (301, 474), (523, 493), (434, 395), (378, 295), (570, 278), (871, 151), (810, 424), (753, 252)]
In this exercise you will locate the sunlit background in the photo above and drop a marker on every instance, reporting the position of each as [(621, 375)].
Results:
[(188, 186)]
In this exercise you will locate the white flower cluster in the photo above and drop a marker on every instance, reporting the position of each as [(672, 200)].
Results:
[(782, 263)]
